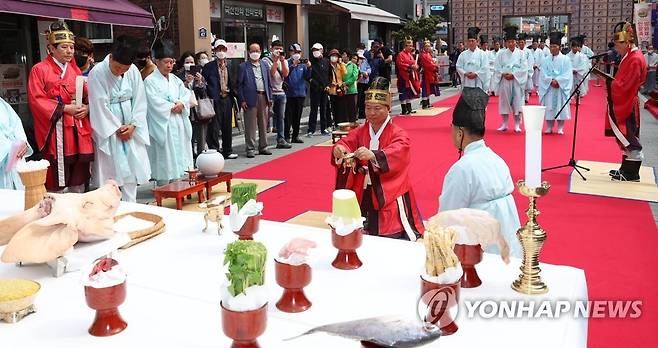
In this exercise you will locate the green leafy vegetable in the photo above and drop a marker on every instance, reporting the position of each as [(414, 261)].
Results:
[(242, 193), (246, 265)]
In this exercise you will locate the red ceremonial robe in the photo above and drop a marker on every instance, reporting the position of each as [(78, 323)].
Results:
[(64, 141), (625, 102), (390, 183), (408, 77), (430, 69)]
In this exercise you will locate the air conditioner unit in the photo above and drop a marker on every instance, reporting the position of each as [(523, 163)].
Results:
[(311, 2)]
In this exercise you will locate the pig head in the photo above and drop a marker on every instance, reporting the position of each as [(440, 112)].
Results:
[(47, 230)]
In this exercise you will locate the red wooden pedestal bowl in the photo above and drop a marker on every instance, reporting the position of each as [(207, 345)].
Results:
[(249, 228), (469, 256), (106, 301), (244, 327), (292, 279), (347, 258), (440, 298)]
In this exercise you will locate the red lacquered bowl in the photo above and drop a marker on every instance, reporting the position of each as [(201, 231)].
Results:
[(347, 258), (292, 279), (469, 256), (106, 301), (249, 228), (440, 298), (244, 327)]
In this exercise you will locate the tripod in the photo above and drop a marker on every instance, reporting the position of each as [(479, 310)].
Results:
[(572, 161)]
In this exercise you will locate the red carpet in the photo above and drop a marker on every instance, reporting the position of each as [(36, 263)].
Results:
[(613, 240)]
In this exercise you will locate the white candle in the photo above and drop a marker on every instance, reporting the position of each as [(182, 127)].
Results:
[(79, 87), (533, 118)]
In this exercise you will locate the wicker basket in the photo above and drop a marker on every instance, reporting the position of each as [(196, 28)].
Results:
[(35, 188), (139, 236)]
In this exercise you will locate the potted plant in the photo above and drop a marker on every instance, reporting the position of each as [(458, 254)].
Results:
[(244, 299), (245, 212), (293, 273), (440, 283), (346, 229)]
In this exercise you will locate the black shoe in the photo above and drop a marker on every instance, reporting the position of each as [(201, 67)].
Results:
[(630, 171), (251, 155), (283, 145), (264, 152), (297, 141), (404, 109)]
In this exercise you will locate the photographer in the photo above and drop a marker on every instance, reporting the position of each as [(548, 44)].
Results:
[(278, 67), (375, 58), (187, 70), (300, 70)]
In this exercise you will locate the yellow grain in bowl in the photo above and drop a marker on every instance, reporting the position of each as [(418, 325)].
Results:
[(15, 289)]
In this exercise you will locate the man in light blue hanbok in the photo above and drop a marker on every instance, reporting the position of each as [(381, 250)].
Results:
[(555, 84), (117, 104), (168, 118), (13, 147), (473, 64), (530, 59), (480, 179), (511, 76), (580, 65)]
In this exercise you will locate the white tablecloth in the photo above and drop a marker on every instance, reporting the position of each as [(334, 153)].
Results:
[(174, 285)]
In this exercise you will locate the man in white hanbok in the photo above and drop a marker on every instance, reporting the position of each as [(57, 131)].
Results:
[(117, 104), (555, 85), (473, 64), (580, 65), (480, 179), (530, 59), (168, 118), (511, 76), (493, 84), (539, 57), (13, 147)]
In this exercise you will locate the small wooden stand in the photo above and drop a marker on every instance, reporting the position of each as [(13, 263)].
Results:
[(211, 182), (179, 190)]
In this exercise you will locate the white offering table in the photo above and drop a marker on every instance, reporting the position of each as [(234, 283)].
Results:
[(174, 279)]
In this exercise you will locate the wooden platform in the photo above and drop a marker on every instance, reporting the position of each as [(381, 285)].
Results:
[(599, 183)]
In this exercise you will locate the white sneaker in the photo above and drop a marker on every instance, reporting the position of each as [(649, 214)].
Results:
[(502, 128), (560, 131), (232, 156), (309, 134), (548, 131), (517, 129)]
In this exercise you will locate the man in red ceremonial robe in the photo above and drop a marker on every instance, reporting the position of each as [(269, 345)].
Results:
[(381, 181), (408, 77), (623, 120), (62, 129), (430, 76)]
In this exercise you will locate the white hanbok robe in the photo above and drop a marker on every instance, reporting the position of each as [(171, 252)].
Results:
[(170, 151), (11, 132), (474, 61), (556, 68), (547, 51), (511, 93), (530, 59), (580, 66), (482, 180), (539, 57), (115, 101), (491, 60), (493, 84)]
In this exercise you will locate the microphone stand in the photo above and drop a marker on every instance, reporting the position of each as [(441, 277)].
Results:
[(572, 161)]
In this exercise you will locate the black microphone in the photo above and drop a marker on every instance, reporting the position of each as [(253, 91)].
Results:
[(600, 55)]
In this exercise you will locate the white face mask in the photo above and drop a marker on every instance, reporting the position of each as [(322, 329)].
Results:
[(254, 55), (220, 54), (187, 66), (203, 61), (276, 52), (317, 54), (296, 56), (334, 59)]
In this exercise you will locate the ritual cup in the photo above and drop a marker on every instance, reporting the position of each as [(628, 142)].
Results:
[(293, 279), (439, 298), (469, 256), (106, 301), (249, 228), (347, 258), (244, 327)]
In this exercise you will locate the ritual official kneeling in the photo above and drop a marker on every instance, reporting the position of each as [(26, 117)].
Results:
[(480, 179), (382, 153)]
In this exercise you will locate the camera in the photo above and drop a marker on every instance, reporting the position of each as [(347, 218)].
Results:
[(303, 60)]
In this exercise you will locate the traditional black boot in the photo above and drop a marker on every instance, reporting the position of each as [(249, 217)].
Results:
[(616, 171), (404, 109), (409, 110), (630, 171), (425, 104)]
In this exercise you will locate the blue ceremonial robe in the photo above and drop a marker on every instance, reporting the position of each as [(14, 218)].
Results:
[(556, 68), (11, 131)]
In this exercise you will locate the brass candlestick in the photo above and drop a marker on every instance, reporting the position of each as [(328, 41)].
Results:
[(532, 238)]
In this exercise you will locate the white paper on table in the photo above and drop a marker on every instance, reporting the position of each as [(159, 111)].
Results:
[(533, 117)]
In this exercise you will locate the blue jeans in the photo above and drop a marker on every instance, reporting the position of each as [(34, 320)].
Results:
[(278, 109)]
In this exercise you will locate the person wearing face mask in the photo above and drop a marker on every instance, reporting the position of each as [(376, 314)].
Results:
[(117, 103), (337, 89), (296, 92), (201, 58), (349, 79), (220, 76), (279, 70), (480, 179), (143, 61), (321, 75), (254, 97), (62, 129), (652, 64), (84, 55), (168, 117)]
